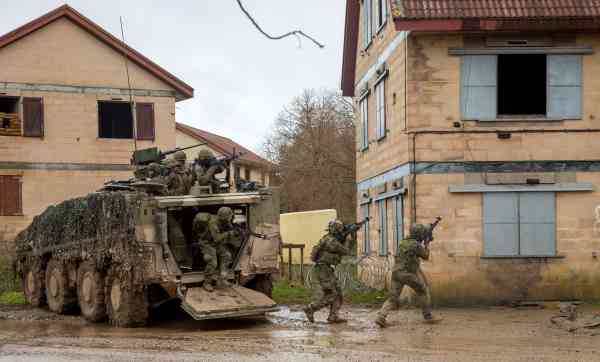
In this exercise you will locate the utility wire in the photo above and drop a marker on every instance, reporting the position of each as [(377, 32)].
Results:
[(296, 33)]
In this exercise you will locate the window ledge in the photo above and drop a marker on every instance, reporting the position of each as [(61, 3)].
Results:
[(381, 27), (381, 139), (12, 215), (364, 149), (524, 257), (521, 119), (368, 45)]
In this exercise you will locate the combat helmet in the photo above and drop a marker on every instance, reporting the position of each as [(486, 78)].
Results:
[(335, 227), (180, 156), (205, 154), (418, 231), (154, 169), (225, 213)]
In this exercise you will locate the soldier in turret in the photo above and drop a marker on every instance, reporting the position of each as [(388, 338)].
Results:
[(206, 169), (180, 178)]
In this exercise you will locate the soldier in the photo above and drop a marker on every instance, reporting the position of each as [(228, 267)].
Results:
[(407, 271), (223, 233), (207, 245), (205, 170), (327, 254), (180, 179)]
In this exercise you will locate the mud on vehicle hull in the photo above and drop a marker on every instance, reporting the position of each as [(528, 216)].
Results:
[(104, 252)]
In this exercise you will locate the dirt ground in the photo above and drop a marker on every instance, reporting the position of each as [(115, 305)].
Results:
[(490, 334)]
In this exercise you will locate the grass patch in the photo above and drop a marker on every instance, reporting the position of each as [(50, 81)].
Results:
[(13, 298), (286, 293)]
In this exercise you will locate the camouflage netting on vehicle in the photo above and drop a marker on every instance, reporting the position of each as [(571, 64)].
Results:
[(101, 225)]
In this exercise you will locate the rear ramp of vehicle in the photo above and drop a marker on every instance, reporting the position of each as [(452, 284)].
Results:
[(234, 301)]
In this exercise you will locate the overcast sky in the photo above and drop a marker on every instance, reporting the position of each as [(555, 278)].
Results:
[(241, 79)]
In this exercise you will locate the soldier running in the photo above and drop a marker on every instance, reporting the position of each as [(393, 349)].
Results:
[(407, 271), (326, 255)]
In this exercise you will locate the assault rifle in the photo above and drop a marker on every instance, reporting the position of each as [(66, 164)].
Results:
[(429, 234)]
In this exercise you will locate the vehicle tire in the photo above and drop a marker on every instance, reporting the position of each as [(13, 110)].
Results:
[(263, 283), (126, 303), (32, 282), (90, 292), (59, 295)]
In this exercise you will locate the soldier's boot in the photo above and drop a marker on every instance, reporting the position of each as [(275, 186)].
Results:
[(222, 282), (310, 314), (430, 318)]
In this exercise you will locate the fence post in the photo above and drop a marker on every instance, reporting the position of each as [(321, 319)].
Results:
[(290, 264)]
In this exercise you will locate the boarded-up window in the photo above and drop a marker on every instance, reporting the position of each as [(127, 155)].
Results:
[(10, 196), (145, 121), (519, 224), (33, 117)]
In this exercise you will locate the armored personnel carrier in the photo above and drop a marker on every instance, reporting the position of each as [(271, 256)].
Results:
[(108, 254)]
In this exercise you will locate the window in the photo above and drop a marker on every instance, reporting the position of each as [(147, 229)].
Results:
[(383, 228), (380, 98), (398, 221), (32, 117), (367, 22), (366, 238), (364, 114), (381, 13), (519, 224), (10, 196), (517, 86), (115, 120), (247, 174)]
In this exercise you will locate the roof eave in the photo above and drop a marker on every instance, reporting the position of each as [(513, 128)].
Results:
[(350, 47)]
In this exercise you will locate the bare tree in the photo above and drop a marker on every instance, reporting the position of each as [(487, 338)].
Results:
[(296, 33), (312, 143)]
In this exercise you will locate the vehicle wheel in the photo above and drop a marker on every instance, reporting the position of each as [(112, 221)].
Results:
[(264, 284), (126, 303), (90, 292), (58, 294), (32, 282)]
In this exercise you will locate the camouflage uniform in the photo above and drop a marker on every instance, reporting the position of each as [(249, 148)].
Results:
[(407, 271), (331, 250), (178, 183), (204, 173), (207, 245), (222, 233)]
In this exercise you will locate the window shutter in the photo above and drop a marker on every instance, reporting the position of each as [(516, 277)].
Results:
[(399, 221), (501, 223), (564, 86), (380, 108), (33, 117), (364, 109), (479, 87), (367, 22), (537, 215), (145, 121), (383, 229), (10, 195)]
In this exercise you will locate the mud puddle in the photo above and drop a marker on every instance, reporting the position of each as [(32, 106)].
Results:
[(491, 334)]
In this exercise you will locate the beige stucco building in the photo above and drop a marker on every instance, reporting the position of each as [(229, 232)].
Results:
[(66, 125), (248, 166), (487, 117)]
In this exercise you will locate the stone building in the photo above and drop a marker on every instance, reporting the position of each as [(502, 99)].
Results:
[(66, 124), (249, 166), (484, 113)]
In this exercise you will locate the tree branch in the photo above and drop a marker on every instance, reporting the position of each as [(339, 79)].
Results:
[(296, 33)]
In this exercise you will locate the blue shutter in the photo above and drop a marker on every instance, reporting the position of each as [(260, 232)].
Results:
[(500, 224), (478, 87), (564, 86), (537, 215), (366, 241), (399, 221), (383, 229)]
